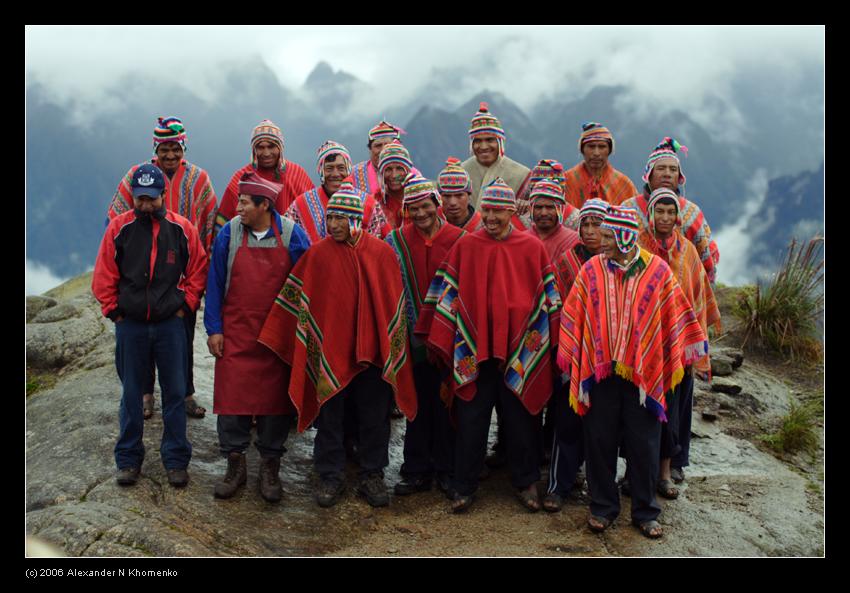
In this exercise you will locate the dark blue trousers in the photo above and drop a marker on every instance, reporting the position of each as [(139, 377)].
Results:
[(429, 439), (138, 345), (371, 399), (567, 444), (615, 414), (189, 325), (686, 407)]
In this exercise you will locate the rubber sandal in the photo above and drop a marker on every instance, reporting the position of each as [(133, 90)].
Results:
[(667, 489), (648, 527), (193, 410), (461, 504), (552, 502), (147, 408), (603, 523), (678, 474), (529, 498)]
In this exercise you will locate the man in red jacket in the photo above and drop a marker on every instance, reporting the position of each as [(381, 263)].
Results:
[(150, 273)]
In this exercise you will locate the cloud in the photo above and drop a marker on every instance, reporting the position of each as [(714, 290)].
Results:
[(39, 279)]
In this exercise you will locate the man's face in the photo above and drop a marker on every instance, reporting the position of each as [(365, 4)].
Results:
[(496, 221), (376, 148), (250, 213), (591, 233), (609, 244), (665, 173), (456, 205), (267, 153), (485, 149), (665, 219), (394, 175), (596, 153), (545, 214), (338, 227), (335, 171), (148, 205), (424, 215), (169, 155)]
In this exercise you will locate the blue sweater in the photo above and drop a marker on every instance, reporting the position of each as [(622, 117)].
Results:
[(218, 272)]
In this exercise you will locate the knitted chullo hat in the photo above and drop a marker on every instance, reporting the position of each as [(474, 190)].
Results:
[(268, 130), (169, 129), (485, 123), (331, 148), (624, 223), (498, 195), (666, 149), (546, 169), (393, 153), (595, 131), (251, 184), (348, 202), (454, 178), (549, 190), (384, 129), (417, 188), (658, 195), (594, 207)]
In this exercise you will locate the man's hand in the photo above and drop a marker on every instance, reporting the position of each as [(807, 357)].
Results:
[(215, 343), (180, 313)]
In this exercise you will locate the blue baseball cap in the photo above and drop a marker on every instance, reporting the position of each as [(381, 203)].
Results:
[(148, 181)]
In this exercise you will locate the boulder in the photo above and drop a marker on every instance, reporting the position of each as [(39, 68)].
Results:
[(37, 304), (721, 366), (60, 312), (723, 386), (58, 339)]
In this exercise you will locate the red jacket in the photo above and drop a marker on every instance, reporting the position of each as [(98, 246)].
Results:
[(149, 268)]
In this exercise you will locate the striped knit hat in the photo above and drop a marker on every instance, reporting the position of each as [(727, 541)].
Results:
[(594, 207), (624, 223), (485, 123), (417, 188), (546, 169), (267, 130), (666, 149), (169, 129), (251, 184), (384, 129), (595, 131), (658, 195), (348, 202), (498, 195), (454, 178), (331, 148), (393, 153), (549, 190)]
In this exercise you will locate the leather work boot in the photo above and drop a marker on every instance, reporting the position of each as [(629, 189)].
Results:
[(235, 476), (270, 488)]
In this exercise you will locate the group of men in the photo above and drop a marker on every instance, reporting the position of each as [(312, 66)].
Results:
[(544, 292)]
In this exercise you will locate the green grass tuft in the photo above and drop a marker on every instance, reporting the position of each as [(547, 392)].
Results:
[(798, 431)]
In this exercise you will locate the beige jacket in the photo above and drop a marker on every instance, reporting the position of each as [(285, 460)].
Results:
[(511, 171)]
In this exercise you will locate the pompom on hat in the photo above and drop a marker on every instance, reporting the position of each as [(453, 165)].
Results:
[(624, 223), (417, 189), (498, 195), (331, 148), (169, 129), (485, 123), (667, 148), (454, 178), (591, 131)]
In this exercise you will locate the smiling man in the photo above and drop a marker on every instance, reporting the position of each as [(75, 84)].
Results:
[(594, 177), (333, 165), (189, 193), (491, 326), (344, 345), (456, 191), (487, 141), (421, 246), (364, 176), (252, 256)]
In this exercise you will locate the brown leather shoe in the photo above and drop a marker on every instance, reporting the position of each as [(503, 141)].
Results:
[(269, 482), (178, 478), (127, 476), (235, 477)]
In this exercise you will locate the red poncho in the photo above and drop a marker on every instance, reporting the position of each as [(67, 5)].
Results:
[(308, 210), (558, 245), (637, 324), (341, 309), (495, 300), (612, 186)]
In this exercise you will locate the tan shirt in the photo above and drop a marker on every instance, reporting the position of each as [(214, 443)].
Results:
[(511, 171)]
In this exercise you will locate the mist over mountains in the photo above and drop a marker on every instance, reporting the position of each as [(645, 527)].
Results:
[(765, 169)]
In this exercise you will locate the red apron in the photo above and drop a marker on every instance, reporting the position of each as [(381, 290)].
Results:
[(250, 379)]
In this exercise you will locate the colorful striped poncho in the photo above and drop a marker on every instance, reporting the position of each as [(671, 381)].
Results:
[(329, 336), (694, 226), (572, 262), (308, 211), (559, 245), (683, 259), (612, 186), (294, 180), (188, 193), (364, 177), (419, 257), (637, 324), (495, 300)]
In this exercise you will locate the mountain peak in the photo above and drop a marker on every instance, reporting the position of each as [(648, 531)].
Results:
[(323, 75)]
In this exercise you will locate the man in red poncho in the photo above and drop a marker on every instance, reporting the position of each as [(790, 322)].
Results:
[(268, 162), (421, 246), (189, 193), (350, 344), (594, 177), (627, 334), (489, 316)]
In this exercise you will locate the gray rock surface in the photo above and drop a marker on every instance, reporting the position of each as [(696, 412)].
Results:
[(36, 304)]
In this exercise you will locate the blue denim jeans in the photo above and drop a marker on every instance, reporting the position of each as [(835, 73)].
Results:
[(137, 346)]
